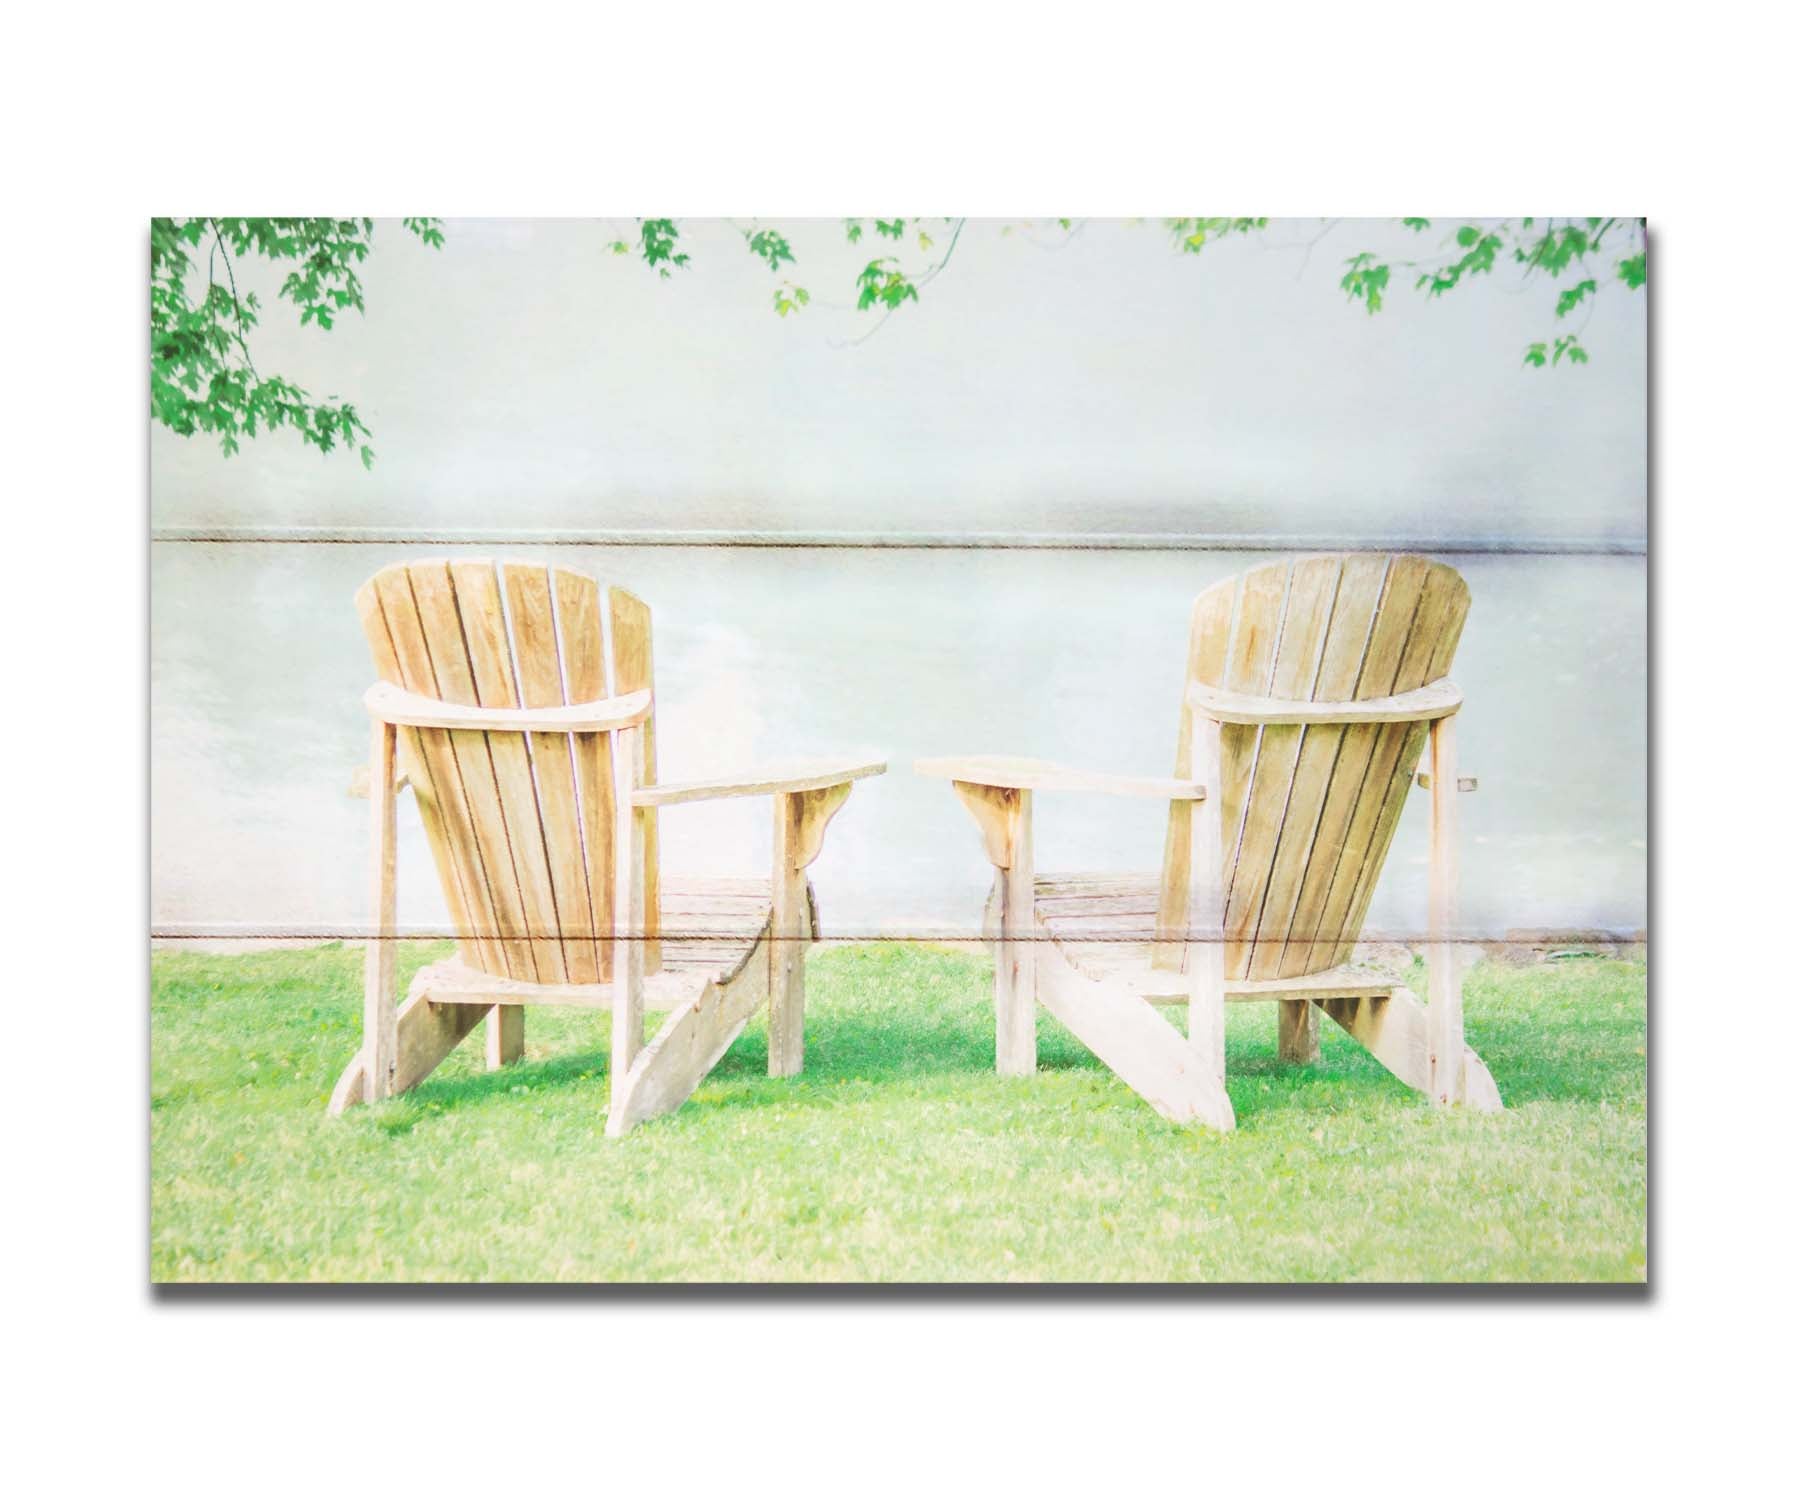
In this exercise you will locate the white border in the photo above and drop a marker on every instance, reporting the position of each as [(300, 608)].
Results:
[(1005, 109)]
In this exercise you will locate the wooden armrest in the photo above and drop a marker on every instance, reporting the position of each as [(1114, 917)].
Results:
[(788, 776), (1436, 700), (394, 705), (1020, 774)]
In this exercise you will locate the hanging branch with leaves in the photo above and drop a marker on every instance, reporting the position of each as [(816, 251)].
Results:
[(1549, 247), (202, 375), (885, 283), (1552, 247)]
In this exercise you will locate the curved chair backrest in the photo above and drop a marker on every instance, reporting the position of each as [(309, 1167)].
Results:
[(520, 825), (1310, 810)]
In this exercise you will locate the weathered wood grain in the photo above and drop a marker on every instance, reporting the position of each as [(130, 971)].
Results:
[(1149, 1055), (396, 706), (1340, 666), (1306, 612), (1434, 700), (539, 657), (690, 1043), (525, 713), (441, 626), (581, 644), (817, 774), (476, 590), (629, 928), (1311, 686), (633, 669), (1314, 937), (1209, 633), (391, 624), (1021, 773), (380, 1043), (1207, 951), (1443, 974)]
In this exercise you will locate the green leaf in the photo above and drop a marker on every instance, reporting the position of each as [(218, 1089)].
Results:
[(657, 239), (882, 281), (790, 298), (1571, 299), (1634, 269), (1191, 235), (1365, 281), (203, 377), (767, 245)]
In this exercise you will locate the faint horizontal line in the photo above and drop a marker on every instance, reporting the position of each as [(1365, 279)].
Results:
[(901, 541), (433, 935)]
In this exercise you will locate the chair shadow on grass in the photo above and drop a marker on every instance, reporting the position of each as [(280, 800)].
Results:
[(853, 1047), (953, 1038)]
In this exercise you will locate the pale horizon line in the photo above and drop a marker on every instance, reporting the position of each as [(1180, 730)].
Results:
[(1073, 541)]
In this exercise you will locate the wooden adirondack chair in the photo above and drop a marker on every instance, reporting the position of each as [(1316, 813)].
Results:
[(518, 699), (1312, 687)]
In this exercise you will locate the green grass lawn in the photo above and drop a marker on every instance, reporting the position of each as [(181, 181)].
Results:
[(898, 1155)]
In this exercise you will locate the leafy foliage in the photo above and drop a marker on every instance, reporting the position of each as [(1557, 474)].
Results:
[(1365, 281), (1191, 235), (885, 283), (1550, 246), (770, 246), (1479, 251), (1537, 354), (882, 281), (202, 376), (1563, 250), (657, 239), (1571, 299)]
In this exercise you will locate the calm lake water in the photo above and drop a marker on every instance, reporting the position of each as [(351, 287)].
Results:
[(258, 666)]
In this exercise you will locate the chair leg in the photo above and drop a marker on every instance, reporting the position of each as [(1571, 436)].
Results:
[(505, 1035), (1128, 1034), (1003, 814), (1297, 1032), (426, 1031), (380, 1026), (800, 822), (691, 1042), (1206, 908), (1444, 981), (1396, 1032), (628, 913), (790, 935), (1015, 964)]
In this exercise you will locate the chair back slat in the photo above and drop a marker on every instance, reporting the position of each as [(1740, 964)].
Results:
[(1309, 811), (521, 826), (583, 908), (634, 669)]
